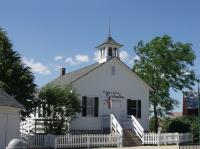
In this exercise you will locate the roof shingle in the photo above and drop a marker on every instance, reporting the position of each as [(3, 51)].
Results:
[(111, 41), (72, 76), (7, 100)]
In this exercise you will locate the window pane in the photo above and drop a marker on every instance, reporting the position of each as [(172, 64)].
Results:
[(131, 103), (132, 112), (90, 106)]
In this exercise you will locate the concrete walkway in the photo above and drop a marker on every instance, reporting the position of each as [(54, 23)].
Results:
[(148, 147)]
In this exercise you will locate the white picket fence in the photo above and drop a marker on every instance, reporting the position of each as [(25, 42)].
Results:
[(185, 138), (88, 140), (72, 140), (166, 138), (100, 140)]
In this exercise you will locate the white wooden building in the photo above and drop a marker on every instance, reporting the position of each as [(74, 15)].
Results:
[(115, 104), (9, 118), (107, 87)]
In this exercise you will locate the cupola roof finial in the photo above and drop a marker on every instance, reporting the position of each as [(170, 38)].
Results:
[(109, 30)]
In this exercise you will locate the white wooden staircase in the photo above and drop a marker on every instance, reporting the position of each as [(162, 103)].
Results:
[(132, 132)]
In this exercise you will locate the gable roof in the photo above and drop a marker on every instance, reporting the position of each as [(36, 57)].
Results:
[(70, 77), (7, 100)]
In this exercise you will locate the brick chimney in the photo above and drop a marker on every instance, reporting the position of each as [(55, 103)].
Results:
[(62, 71)]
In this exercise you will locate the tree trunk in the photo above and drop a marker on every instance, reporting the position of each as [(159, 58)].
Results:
[(155, 116)]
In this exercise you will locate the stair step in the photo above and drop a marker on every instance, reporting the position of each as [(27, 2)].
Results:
[(130, 138)]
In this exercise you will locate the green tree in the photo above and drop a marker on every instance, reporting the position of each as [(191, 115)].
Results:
[(164, 65), (59, 106), (16, 78)]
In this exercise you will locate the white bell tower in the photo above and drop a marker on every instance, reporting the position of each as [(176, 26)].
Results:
[(108, 49)]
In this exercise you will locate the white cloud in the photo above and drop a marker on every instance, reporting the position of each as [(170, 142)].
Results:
[(79, 58), (82, 58), (58, 57), (57, 67), (132, 61), (136, 57), (36, 66), (96, 56), (70, 61), (124, 55)]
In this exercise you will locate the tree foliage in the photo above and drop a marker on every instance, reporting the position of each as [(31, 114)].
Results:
[(164, 65), (59, 107), (16, 78)]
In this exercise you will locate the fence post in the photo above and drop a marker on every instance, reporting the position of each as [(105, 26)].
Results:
[(177, 138), (55, 144), (143, 138), (88, 141), (119, 140)]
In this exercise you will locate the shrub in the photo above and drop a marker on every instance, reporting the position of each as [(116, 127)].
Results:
[(185, 124), (179, 126)]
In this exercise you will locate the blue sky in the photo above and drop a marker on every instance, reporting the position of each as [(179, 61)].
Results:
[(49, 34)]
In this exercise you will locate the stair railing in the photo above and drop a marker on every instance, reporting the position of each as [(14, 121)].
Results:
[(27, 126), (135, 125), (115, 125), (111, 125)]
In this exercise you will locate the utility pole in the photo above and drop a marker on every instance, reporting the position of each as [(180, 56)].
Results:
[(199, 106)]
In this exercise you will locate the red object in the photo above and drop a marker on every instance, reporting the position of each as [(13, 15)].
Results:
[(109, 102)]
